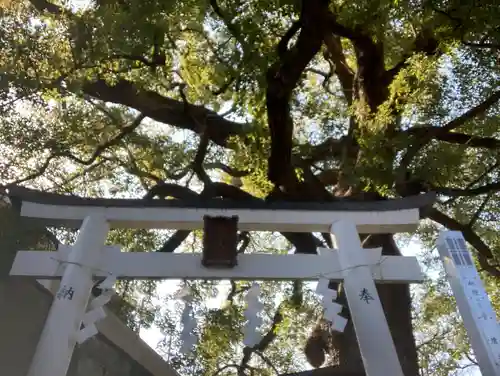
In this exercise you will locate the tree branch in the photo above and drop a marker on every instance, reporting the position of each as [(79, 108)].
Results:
[(197, 164), (331, 148), (479, 210), (228, 170), (41, 170), (283, 43), (423, 135), (266, 339), (485, 173), (174, 241), (230, 26), (267, 361), (464, 139), (155, 106), (473, 112), (424, 42), (102, 147), (435, 336), (167, 110), (164, 190), (235, 291), (43, 5), (342, 69), (453, 192), (244, 238), (282, 77), (57, 153)]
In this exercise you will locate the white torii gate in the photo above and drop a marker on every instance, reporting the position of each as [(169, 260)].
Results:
[(88, 258)]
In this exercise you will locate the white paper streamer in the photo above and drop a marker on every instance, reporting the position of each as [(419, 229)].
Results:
[(96, 310), (188, 321), (251, 336), (331, 309)]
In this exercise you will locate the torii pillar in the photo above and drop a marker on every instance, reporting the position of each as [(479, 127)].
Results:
[(59, 336), (370, 324)]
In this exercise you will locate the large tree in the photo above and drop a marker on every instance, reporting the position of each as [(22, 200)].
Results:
[(293, 100)]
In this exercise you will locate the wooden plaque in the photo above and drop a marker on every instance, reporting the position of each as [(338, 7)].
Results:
[(220, 240)]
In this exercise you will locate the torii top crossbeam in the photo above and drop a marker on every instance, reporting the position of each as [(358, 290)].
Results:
[(385, 216)]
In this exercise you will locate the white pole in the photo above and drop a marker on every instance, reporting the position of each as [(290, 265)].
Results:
[(370, 324), (473, 302), (57, 341)]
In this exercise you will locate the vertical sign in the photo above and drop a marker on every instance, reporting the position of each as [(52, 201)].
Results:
[(473, 302)]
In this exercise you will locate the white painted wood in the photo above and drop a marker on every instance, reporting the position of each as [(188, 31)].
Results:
[(57, 341), (331, 309), (370, 324), (473, 302), (249, 220), (253, 316), (152, 265), (118, 333), (86, 333), (188, 321)]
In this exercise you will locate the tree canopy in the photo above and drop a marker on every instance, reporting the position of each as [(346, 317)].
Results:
[(264, 100)]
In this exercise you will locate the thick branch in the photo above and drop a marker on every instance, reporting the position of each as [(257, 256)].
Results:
[(283, 43), (482, 45), (229, 25), (437, 133), (331, 148), (167, 110), (479, 210), (426, 134), (479, 109), (244, 240), (453, 192), (370, 79), (164, 190), (282, 77), (197, 164), (155, 106), (342, 69), (174, 241), (228, 170), (43, 5)]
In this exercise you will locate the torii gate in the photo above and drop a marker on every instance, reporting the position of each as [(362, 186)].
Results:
[(89, 258)]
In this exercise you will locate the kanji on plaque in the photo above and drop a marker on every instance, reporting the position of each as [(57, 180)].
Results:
[(65, 293), (365, 296)]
